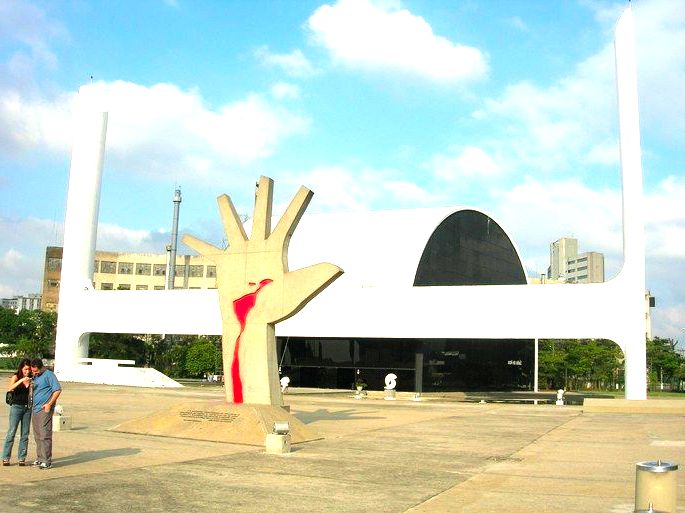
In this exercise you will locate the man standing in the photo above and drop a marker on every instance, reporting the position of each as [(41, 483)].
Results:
[(46, 390)]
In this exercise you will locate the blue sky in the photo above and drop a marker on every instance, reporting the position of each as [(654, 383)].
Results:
[(507, 106)]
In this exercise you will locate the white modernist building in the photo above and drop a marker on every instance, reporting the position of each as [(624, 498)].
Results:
[(375, 301)]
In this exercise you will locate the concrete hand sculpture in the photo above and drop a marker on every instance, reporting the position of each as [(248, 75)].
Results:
[(256, 290)]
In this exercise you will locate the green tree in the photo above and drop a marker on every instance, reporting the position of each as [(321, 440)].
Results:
[(30, 332), (202, 357), (551, 363), (9, 331), (118, 346), (572, 364), (663, 360), (32, 348), (175, 360)]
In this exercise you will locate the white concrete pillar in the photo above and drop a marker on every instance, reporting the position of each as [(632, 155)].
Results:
[(632, 276), (80, 229)]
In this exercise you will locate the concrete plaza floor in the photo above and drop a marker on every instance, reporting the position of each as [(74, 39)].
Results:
[(381, 456)]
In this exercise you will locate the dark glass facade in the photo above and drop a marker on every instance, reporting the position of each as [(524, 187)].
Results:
[(445, 364), (467, 248)]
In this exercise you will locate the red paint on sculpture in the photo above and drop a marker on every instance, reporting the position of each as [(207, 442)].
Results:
[(242, 307)]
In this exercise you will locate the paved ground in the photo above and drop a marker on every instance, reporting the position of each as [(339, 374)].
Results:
[(376, 456)]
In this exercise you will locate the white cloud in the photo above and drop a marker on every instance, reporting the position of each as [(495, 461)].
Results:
[(22, 250), (23, 22), (604, 153), (112, 237), (573, 121), (409, 193), (29, 124), (666, 219), (537, 213), (157, 130), (285, 91), (351, 188), (381, 35), (10, 259), (550, 129), (518, 24), (670, 321), (23, 242), (660, 46), (294, 64), (460, 163)]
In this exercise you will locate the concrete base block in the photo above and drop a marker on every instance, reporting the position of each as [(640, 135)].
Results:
[(389, 394), (61, 422), (277, 444), (218, 421)]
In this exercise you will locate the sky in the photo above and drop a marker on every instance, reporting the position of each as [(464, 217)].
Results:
[(509, 107)]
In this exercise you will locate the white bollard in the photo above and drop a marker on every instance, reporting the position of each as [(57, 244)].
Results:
[(277, 444)]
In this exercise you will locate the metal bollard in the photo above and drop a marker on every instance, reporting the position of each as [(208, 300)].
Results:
[(655, 486)]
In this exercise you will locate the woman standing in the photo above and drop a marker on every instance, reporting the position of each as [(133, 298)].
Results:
[(20, 412)]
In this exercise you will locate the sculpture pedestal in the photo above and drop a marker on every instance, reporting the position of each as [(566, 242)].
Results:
[(218, 421)]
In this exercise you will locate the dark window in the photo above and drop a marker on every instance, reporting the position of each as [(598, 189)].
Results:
[(106, 286), (469, 248), (159, 270), (141, 287), (124, 286), (196, 271), (143, 269), (125, 267), (108, 267), (54, 264), (211, 271)]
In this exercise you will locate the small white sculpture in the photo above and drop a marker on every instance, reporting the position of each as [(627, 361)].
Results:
[(285, 381), (560, 397), (59, 410), (390, 381)]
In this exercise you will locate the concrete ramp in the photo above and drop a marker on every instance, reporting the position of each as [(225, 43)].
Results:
[(103, 371)]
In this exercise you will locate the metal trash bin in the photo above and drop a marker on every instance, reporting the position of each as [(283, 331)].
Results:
[(650, 510), (655, 486)]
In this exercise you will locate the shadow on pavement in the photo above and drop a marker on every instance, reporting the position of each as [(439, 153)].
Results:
[(85, 456), (308, 417)]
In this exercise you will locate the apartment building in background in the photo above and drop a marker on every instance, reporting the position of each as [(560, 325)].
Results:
[(130, 271), (566, 265), (19, 303)]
